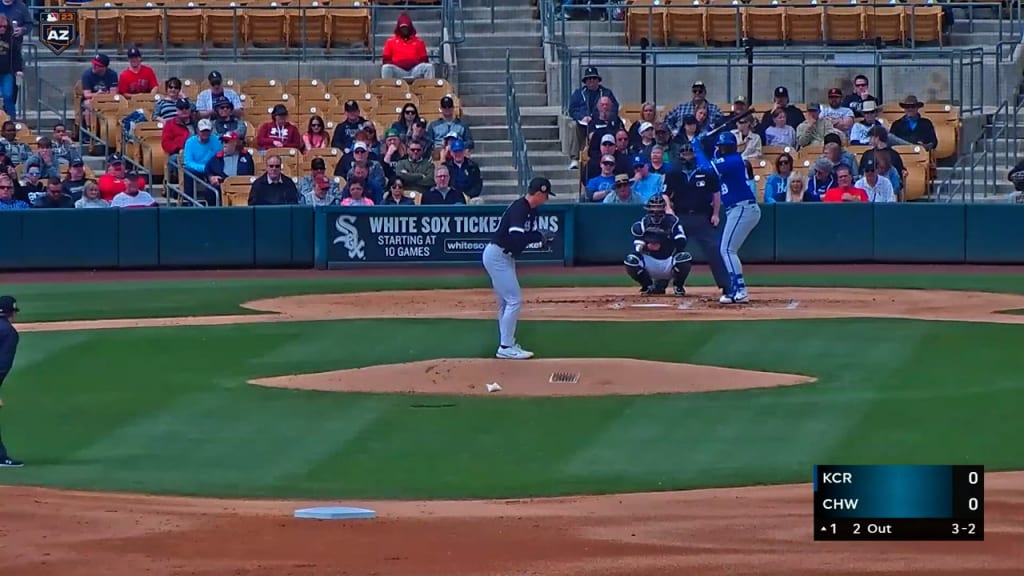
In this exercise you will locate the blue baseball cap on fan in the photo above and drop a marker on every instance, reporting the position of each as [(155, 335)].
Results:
[(639, 161), (458, 146)]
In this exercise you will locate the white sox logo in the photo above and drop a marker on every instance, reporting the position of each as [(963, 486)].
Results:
[(348, 236)]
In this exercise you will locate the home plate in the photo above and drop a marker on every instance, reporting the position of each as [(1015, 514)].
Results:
[(650, 305), (335, 513)]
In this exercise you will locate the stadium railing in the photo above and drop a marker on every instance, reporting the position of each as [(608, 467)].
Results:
[(520, 155), (982, 162)]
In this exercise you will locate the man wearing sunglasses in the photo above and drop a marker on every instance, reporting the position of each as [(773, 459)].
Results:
[(273, 188), (674, 120), (416, 171), (204, 103), (601, 185), (226, 121)]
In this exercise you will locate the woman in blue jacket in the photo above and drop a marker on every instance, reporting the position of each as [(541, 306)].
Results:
[(777, 185)]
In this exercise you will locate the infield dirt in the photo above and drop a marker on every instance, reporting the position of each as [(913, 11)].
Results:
[(734, 532)]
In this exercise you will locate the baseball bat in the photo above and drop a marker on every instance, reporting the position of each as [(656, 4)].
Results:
[(729, 124)]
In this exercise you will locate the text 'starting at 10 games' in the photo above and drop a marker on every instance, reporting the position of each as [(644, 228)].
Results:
[(899, 503)]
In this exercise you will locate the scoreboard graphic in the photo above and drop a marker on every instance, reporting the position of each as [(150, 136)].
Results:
[(58, 30), (899, 503)]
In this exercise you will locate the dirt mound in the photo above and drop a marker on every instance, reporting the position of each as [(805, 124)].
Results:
[(596, 377)]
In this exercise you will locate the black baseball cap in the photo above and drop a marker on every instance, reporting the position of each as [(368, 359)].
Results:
[(8, 304), (540, 184), (782, 92), (351, 106), (318, 164), (115, 159), (215, 77), (77, 162), (447, 102), (182, 104), (134, 52)]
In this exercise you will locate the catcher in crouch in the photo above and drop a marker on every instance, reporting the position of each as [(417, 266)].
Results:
[(659, 251)]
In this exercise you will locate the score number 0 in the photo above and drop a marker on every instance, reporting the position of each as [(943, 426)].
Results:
[(972, 505)]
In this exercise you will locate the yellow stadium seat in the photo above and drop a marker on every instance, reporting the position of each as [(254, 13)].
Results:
[(307, 26), (331, 156), (305, 88), (141, 27), (917, 161), (289, 159), (224, 27), (924, 23), (844, 23), (98, 28), (422, 86), (234, 190), (403, 92), (184, 27), (885, 22), (348, 26), (646, 19), (685, 24), (724, 25), (804, 24), (266, 29), (765, 24)]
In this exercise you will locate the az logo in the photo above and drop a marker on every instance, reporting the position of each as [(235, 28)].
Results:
[(58, 31)]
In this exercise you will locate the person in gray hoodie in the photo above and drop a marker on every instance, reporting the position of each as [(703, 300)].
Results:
[(416, 171)]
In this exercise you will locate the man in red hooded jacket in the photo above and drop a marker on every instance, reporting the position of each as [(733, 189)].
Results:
[(405, 54)]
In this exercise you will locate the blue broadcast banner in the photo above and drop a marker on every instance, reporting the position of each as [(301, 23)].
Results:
[(417, 235), (884, 491)]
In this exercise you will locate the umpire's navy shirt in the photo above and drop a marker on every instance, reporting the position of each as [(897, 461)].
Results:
[(691, 192), (517, 228), (8, 347)]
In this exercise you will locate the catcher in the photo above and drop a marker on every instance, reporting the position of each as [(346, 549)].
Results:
[(659, 255)]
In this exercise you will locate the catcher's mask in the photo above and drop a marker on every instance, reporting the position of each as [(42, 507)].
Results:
[(656, 208)]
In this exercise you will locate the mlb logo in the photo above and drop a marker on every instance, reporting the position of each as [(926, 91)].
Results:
[(58, 30)]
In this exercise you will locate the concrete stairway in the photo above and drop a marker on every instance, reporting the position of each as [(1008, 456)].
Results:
[(481, 81)]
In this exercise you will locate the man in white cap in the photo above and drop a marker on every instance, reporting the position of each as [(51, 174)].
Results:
[(200, 148), (623, 160), (643, 147)]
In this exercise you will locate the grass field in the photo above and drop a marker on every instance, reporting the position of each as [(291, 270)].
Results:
[(168, 410)]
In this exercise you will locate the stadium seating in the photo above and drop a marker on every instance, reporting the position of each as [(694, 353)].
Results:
[(718, 22)]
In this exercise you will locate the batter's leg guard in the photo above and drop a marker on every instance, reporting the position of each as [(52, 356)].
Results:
[(682, 263), (635, 269)]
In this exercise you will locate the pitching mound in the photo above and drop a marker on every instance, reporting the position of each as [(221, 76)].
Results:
[(533, 377)]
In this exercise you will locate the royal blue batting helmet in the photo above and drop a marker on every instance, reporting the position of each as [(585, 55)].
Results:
[(726, 139)]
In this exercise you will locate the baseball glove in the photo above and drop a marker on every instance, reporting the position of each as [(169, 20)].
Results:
[(653, 238)]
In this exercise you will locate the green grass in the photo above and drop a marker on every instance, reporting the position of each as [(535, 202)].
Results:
[(167, 410), (97, 300)]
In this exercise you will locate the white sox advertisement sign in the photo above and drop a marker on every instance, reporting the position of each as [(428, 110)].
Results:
[(423, 235)]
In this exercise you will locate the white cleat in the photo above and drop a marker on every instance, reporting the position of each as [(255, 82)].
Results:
[(513, 353), (574, 165), (726, 299), (741, 297)]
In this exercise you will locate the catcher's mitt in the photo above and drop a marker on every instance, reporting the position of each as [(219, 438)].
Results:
[(653, 238)]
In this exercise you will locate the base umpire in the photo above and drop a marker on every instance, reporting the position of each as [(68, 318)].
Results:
[(693, 195), (8, 348)]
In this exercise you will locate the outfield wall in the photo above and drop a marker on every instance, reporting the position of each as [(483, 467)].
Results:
[(298, 237)]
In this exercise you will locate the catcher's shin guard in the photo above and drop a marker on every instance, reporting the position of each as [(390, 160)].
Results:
[(682, 263), (635, 269)]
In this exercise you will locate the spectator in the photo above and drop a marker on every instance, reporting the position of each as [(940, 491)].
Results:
[(115, 180), (321, 191), (371, 174), (396, 194), (133, 196), (137, 78), (839, 116), (646, 183), (878, 138), (206, 98), (97, 79), (166, 108), (32, 184), (604, 123), (64, 148), (713, 113), (54, 197), (394, 152), (442, 193), (464, 172), (583, 108), (75, 182), (369, 133), (794, 116), (885, 169), (776, 188), (623, 162), (1016, 175), (273, 188), (175, 133), (797, 188), (7, 167), (648, 114), (17, 152), (11, 65), (748, 142), (232, 160), (355, 195), (406, 119), (835, 154), (703, 121), (658, 155), (43, 158), (316, 136), (868, 120), (361, 153), (225, 120), (690, 131), (416, 171), (278, 132), (912, 127), (624, 192), (419, 132), (860, 95), (646, 141), (404, 54), (449, 124), (739, 108), (622, 143), (821, 181), (18, 16), (813, 130), (7, 199), (844, 190), (345, 133), (199, 150), (780, 133), (878, 188), (91, 197), (599, 186), (317, 167)]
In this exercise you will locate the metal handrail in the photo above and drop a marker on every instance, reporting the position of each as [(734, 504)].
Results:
[(179, 188), (662, 61), (453, 21), (513, 120)]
